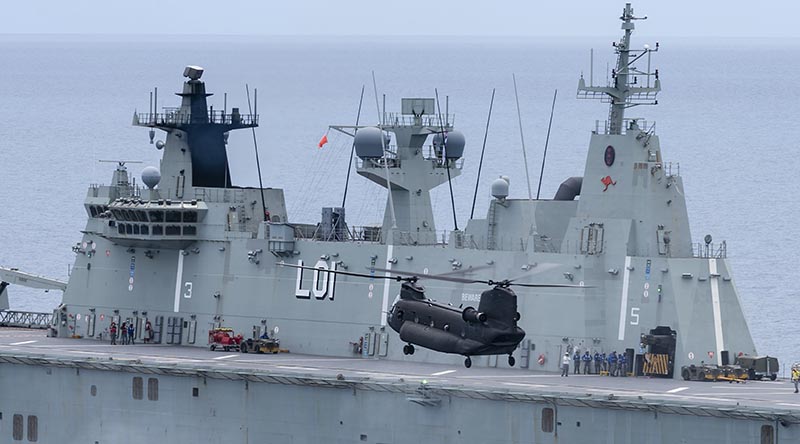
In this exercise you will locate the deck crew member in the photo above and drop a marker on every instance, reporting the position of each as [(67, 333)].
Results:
[(112, 330), (565, 365), (576, 358), (124, 333), (587, 362), (612, 364), (623, 365), (795, 377), (597, 363)]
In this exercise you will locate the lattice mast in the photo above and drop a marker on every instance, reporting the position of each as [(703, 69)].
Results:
[(623, 90)]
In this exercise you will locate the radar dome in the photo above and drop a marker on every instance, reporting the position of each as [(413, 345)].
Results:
[(500, 188), (454, 144), (151, 176), (368, 143)]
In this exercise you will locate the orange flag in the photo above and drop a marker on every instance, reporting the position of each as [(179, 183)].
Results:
[(323, 141)]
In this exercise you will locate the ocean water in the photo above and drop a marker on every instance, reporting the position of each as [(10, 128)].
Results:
[(727, 114)]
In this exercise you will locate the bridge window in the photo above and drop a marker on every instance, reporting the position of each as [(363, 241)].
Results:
[(16, 431), (173, 230), (138, 387), (547, 420), (142, 216), (190, 216), (189, 230), (152, 389), (173, 216), (156, 216), (128, 228), (135, 229), (93, 210), (121, 228), (767, 434), (33, 428), (145, 229), (158, 230)]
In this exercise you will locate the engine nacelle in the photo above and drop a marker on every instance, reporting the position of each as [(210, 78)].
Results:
[(471, 315)]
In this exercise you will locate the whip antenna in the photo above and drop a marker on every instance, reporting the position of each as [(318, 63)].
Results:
[(480, 164), (546, 141), (258, 163)]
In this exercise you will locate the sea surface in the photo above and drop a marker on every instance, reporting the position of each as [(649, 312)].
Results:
[(728, 114)]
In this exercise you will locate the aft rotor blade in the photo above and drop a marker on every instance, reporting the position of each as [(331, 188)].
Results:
[(346, 273), (438, 277)]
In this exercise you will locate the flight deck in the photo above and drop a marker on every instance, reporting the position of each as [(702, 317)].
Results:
[(751, 399)]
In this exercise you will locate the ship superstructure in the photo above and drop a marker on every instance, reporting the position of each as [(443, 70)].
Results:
[(190, 251)]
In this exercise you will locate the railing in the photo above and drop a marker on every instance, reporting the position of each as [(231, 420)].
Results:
[(642, 126), (25, 319), (709, 251), (234, 195), (397, 119), (173, 116)]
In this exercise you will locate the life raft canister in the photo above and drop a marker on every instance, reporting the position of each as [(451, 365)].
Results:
[(541, 359)]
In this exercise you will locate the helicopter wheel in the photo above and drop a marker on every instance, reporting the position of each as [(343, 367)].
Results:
[(468, 362), (408, 349), (511, 361), (517, 317)]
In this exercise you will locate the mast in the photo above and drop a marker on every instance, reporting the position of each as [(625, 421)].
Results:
[(622, 91)]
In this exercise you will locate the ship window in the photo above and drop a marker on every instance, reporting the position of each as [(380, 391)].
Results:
[(189, 230), (173, 230), (767, 434), (547, 420), (135, 229), (129, 215), (138, 387), (93, 210), (117, 214), (17, 428), (157, 216), (195, 392), (128, 229), (121, 228), (33, 428), (93, 390), (173, 216), (141, 216), (190, 216), (152, 389), (145, 229), (158, 230)]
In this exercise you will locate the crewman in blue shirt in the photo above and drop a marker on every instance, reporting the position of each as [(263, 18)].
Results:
[(597, 363), (623, 368), (612, 364), (587, 361), (576, 358)]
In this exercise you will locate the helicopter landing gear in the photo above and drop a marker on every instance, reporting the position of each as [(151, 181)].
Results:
[(468, 362), (511, 361), (408, 349)]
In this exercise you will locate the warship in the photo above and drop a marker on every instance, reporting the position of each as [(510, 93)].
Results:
[(188, 253)]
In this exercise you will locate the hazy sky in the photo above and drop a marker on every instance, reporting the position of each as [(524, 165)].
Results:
[(732, 18)]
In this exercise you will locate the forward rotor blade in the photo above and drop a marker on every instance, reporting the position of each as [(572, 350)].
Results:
[(346, 273), (514, 284)]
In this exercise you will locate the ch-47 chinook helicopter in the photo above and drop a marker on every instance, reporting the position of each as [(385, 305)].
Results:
[(491, 329)]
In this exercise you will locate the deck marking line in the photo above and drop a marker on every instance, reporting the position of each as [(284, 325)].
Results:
[(679, 389), (178, 282), (623, 307), (445, 372), (23, 342), (715, 307), (224, 357), (789, 404), (386, 284)]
